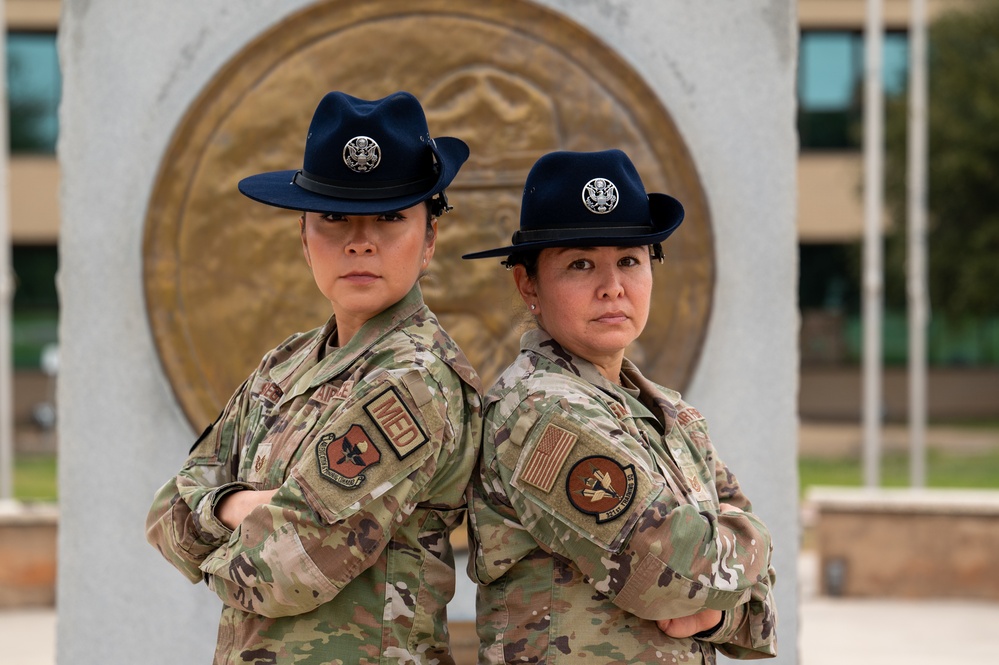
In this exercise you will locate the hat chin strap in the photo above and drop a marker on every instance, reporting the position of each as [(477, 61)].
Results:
[(339, 189)]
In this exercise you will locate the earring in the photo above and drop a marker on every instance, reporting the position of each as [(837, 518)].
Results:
[(533, 307)]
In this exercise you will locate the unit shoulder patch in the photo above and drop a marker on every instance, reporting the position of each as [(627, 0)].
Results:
[(601, 486), (343, 459)]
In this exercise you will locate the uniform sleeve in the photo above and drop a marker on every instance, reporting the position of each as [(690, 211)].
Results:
[(750, 630), (583, 492), (360, 478), (181, 522)]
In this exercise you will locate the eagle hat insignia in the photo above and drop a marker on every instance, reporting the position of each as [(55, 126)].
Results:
[(601, 486), (362, 154), (600, 196)]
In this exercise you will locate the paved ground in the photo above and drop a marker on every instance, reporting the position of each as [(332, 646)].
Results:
[(834, 631)]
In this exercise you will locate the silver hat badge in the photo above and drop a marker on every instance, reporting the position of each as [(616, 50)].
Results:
[(362, 154), (600, 196)]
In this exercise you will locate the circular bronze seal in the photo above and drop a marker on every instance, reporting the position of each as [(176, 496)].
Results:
[(224, 276)]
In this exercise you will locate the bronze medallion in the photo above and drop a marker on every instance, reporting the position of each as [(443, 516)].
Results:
[(224, 276)]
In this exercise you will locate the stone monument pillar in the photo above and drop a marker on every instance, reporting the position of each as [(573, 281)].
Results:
[(173, 284)]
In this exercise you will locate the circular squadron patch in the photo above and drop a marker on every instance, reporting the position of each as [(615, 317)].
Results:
[(600, 196), (362, 154), (601, 486), (342, 460)]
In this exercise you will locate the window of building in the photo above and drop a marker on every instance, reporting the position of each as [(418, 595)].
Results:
[(831, 84), (36, 302), (33, 91)]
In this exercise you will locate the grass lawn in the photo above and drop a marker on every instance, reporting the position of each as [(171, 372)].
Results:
[(943, 469), (35, 478)]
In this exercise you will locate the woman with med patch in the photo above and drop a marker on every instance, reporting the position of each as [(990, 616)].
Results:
[(318, 506)]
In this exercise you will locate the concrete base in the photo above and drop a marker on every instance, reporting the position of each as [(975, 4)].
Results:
[(27, 555), (907, 543)]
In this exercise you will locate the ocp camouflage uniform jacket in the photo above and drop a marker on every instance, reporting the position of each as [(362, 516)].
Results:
[(595, 512), (371, 446)]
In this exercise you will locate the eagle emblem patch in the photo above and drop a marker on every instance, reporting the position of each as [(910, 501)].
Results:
[(601, 487), (342, 460)]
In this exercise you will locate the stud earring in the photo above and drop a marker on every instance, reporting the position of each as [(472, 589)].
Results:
[(533, 307)]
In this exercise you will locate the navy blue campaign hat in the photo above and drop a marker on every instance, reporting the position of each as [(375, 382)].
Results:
[(364, 158), (588, 199)]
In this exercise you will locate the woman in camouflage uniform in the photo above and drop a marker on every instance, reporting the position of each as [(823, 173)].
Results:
[(604, 527), (319, 504)]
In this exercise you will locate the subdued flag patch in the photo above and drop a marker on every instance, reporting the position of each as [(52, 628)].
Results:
[(548, 457)]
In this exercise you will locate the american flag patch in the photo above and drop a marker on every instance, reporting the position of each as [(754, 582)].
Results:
[(548, 457)]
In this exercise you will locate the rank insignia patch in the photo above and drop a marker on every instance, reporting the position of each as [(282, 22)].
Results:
[(391, 415), (547, 458), (342, 460), (601, 487)]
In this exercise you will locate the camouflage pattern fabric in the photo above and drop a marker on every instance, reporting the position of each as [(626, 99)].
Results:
[(595, 512), (371, 447)]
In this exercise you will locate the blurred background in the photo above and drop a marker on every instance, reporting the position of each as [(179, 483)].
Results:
[(962, 351)]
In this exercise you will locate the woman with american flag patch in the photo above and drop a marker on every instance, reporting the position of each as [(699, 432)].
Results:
[(604, 528)]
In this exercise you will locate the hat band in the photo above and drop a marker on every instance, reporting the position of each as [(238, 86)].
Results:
[(339, 189), (596, 232)]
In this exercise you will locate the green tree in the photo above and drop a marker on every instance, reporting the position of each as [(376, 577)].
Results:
[(963, 118)]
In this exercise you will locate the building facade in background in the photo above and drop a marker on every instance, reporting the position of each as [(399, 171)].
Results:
[(830, 212)]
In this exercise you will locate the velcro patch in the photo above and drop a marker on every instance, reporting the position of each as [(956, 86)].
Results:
[(391, 415), (548, 457), (343, 460), (597, 486), (271, 392), (688, 415), (601, 486)]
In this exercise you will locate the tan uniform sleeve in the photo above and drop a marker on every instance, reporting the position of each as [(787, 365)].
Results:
[(583, 492), (181, 523), (359, 479)]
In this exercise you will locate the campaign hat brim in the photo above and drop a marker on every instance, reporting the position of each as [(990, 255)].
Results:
[(666, 214), (278, 189)]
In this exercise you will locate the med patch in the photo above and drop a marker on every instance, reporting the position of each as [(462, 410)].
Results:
[(396, 422), (601, 486), (343, 459)]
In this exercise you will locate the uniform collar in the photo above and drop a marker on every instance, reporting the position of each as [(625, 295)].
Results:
[(651, 396), (540, 342), (338, 359)]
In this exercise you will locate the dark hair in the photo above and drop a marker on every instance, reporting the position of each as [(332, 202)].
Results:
[(528, 259)]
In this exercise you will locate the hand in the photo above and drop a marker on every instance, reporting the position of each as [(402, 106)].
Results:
[(235, 506), (728, 508), (690, 625)]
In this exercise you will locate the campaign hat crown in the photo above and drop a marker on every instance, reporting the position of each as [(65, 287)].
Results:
[(363, 157), (588, 199)]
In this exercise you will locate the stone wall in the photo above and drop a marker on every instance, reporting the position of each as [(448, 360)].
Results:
[(725, 71)]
